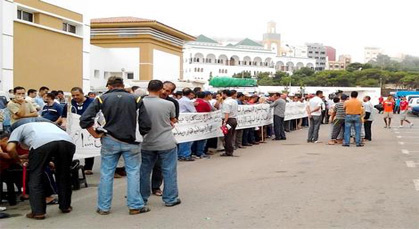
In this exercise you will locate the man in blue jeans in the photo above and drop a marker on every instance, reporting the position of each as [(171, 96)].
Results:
[(353, 109), (118, 139), (160, 145)]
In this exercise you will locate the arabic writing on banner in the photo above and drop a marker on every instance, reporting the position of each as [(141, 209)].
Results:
[(86, 145), (191, 126), (254, 115), (197, 126), (295, 111)]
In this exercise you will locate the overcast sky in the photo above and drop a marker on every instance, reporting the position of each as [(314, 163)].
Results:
[(348, 26)]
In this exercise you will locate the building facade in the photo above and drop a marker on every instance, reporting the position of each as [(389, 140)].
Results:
[(318, 52), (371, 53), (42, 44), (136, 49), (341, 64), (205, 58), (330, 53)]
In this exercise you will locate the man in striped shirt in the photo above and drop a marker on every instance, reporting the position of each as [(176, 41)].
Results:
[(338, 119)]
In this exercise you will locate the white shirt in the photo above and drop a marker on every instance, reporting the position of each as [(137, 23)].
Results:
[(315, 103), (369, 108), (230, 107)]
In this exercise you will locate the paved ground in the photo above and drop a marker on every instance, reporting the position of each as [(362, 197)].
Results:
[(289, 184)]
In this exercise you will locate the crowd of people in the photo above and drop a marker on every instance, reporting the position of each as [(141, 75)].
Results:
[(34, 136)]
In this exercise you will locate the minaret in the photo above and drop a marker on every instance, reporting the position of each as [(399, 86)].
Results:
[(271, 39)]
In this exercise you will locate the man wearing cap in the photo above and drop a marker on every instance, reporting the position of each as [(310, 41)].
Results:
[(118, 139)]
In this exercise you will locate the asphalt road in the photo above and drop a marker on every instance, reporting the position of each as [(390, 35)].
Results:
[(286, 184)]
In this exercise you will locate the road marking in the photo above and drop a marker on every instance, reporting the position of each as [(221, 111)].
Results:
[(399, 136), (411, 143), (405, 151), (416, 182), (410, 164)]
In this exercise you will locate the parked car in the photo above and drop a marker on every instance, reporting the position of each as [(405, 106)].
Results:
[(409, 97), (414, 106)]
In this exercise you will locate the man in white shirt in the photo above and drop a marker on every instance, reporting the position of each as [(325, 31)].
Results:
[(230, 111), (369, 108), (314, 111)]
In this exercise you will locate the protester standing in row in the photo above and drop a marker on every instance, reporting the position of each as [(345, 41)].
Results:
[(201, 106), (353, 110), (160, 145), (120, 110), (230, 111), (186, 105), (314, 111), (279, 106)]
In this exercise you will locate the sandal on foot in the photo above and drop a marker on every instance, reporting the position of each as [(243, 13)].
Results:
[(157, 192)]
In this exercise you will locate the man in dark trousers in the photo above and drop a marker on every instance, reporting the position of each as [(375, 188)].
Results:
[(45, 141), (157, 177), (118, 139), (279, 106), (78, 105), (230, 111)]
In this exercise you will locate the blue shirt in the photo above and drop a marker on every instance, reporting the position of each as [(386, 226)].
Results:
[(186, 105), (40, 101), (77, 108), (52, 113)]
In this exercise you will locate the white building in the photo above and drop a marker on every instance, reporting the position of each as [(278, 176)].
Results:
[(371, 53), (206, 57)]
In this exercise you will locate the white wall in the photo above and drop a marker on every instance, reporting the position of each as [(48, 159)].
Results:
[(166, 66), (112, 60), (7, 14), (373, 92)]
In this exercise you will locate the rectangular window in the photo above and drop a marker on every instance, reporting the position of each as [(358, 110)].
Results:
[(97, 73), (69, 28), (27, 16), (22, 15), (130, 75)]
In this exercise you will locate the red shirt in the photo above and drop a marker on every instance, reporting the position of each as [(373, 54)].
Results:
[(403, 105), (202, 106)]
